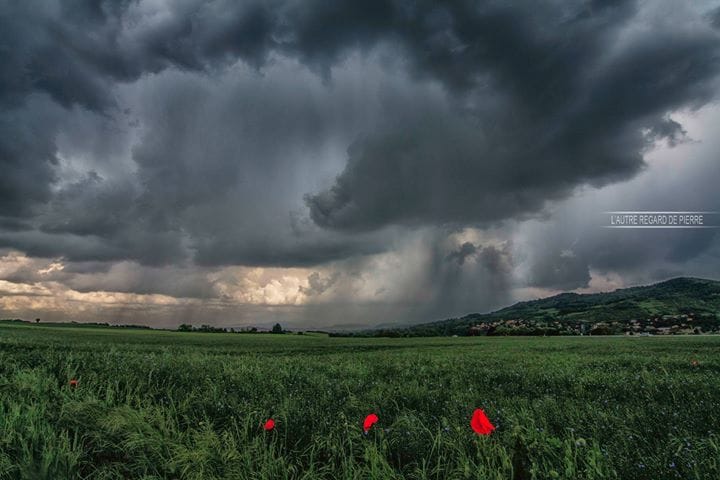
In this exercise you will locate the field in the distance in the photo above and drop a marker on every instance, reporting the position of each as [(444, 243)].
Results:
[(165, 405)]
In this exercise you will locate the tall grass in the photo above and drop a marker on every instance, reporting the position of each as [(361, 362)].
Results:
[(155, 405)]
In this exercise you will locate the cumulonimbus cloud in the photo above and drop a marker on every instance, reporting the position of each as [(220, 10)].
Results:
[(310, 133)]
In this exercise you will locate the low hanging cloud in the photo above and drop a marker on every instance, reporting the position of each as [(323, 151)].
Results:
[(466, 250), (571, 247)]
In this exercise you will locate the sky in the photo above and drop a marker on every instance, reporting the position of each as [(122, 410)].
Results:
[(344, 165)]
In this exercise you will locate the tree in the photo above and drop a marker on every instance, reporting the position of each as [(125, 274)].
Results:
[(37, 320), (277, 328), (185, 328)]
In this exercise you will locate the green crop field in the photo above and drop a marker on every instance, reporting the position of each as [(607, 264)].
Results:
[(166, 405)]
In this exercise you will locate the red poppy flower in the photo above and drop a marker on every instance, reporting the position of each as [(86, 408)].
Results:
[(269, 425), (370, 420), (73, 382), (480, 423)]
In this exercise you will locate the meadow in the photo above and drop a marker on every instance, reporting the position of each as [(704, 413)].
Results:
[(170, 405)]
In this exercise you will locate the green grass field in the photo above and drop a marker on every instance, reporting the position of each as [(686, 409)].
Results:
[(165, 405)]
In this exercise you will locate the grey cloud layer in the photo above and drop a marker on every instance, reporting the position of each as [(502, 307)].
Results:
[(563, 250), (301, 133), (570, 98)]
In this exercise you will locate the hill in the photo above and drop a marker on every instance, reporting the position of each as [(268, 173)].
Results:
[(680, 305)]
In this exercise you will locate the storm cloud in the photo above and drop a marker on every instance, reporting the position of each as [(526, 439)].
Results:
[(406, 158), (577, 102)]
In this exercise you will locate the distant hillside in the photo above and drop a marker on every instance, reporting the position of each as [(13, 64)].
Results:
[(680, 305)]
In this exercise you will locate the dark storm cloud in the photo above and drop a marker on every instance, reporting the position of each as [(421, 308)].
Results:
[(559, 271), (575, 98), (636, 249), (75, 52), (714, 17), (27, 158), (37, 244), (563, 250), (564, 253), (669, 130), (274, 253), (209, 132), (241, 203), (466, 250), (497, 260), (130, 278), (638, 256), (87, 267), (481, 282), (317, 285)]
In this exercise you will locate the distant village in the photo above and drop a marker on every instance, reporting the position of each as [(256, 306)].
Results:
[(685, 324)]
